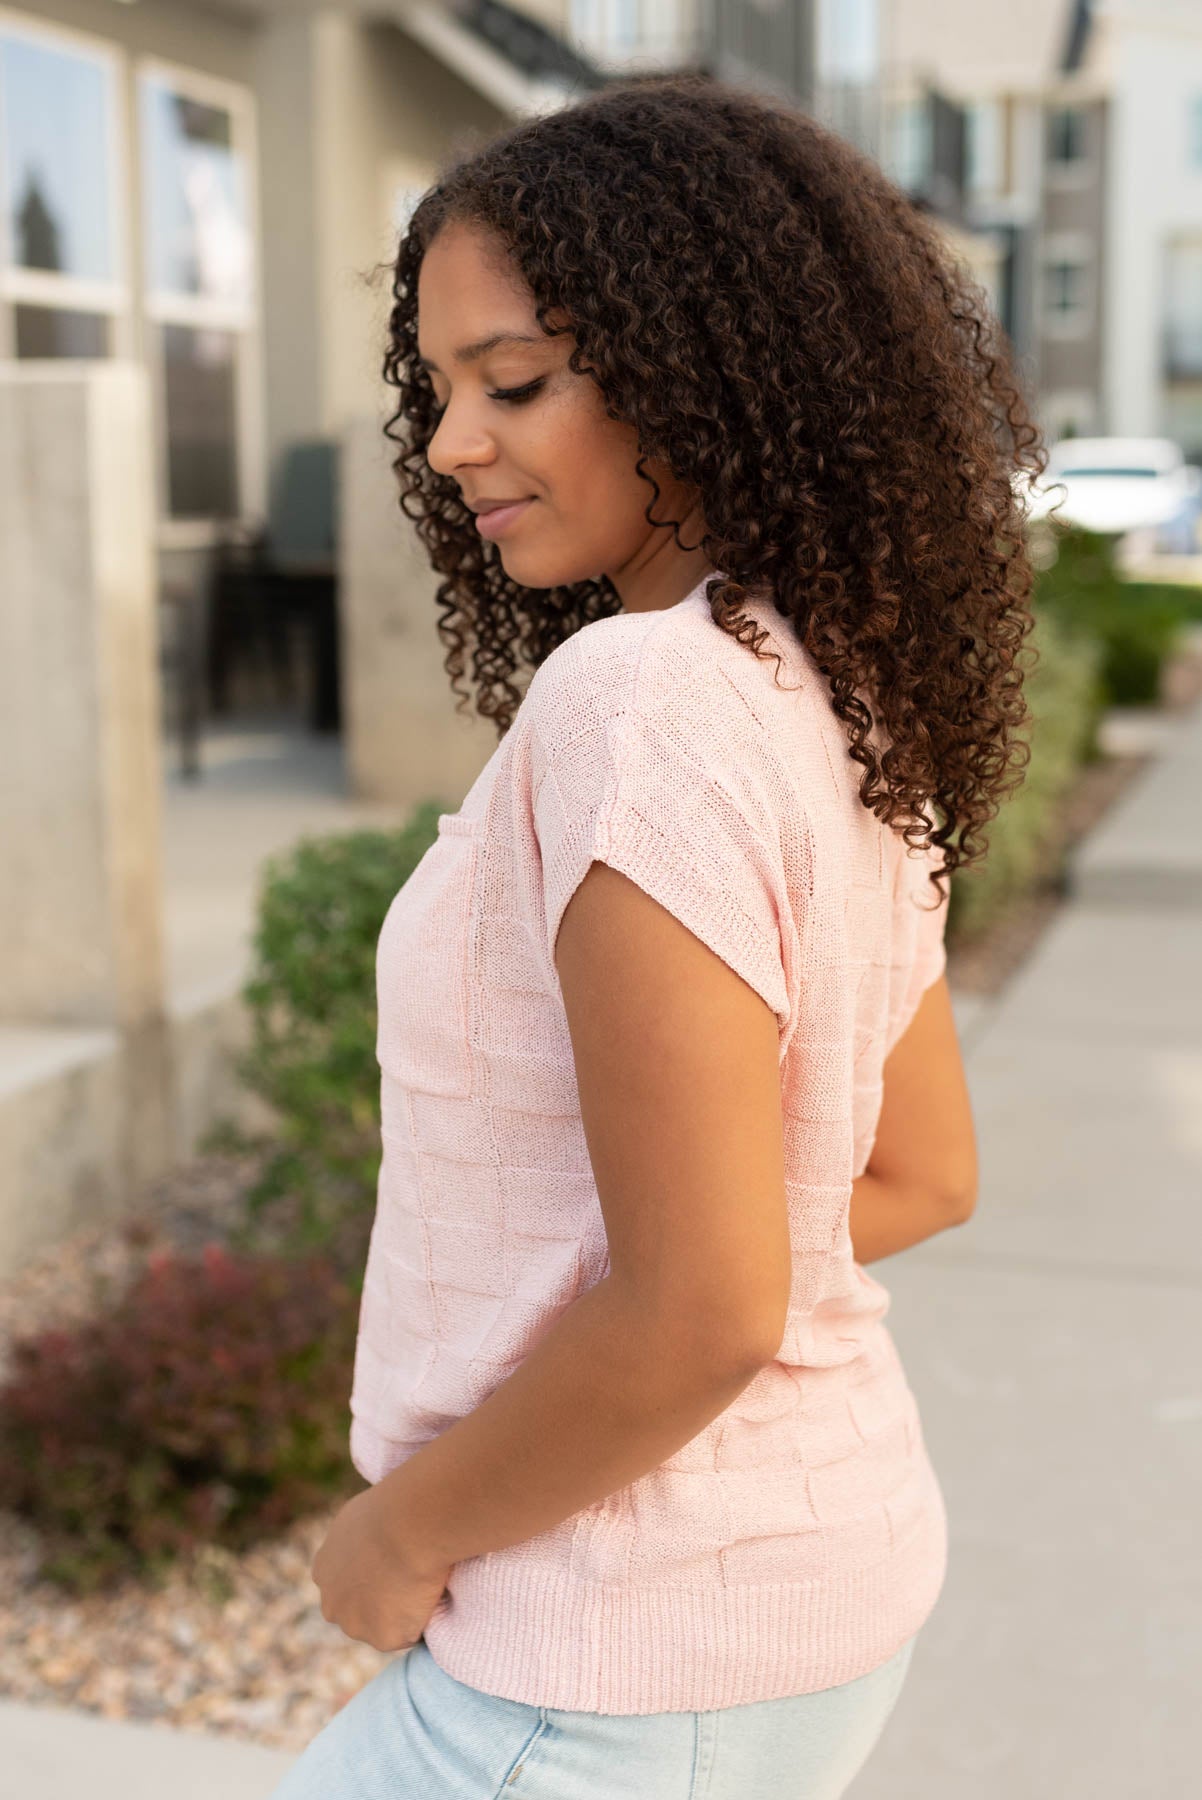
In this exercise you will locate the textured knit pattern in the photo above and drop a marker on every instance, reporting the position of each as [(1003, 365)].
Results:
[(799, 1539)]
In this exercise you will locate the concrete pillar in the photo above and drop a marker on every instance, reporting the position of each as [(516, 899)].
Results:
[(404, 740), (80, 765)]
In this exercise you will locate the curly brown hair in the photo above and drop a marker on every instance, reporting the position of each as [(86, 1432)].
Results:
[(792, 338)]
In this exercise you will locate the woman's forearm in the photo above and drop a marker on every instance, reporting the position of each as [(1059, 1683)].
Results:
[(600, 1400), (885, 1218)]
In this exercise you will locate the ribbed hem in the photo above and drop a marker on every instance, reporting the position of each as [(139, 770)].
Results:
[(535, 1636)]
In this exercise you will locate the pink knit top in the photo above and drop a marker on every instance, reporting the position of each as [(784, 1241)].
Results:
[(801, 1538)]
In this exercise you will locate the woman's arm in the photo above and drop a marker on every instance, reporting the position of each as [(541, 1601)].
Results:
[(605, 1396), (679, 1085), (922, 1173), (886, 1218)]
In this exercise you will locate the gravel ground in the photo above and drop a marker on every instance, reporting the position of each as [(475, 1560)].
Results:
[(237, 1644), (227, 1643), (232, 1645)]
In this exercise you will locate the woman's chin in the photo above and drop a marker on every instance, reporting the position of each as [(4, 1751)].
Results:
[(532, 570)]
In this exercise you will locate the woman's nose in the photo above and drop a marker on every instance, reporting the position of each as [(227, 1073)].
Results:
[(458, 442)]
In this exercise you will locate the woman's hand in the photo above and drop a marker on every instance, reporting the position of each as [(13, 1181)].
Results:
[(373, 1585)]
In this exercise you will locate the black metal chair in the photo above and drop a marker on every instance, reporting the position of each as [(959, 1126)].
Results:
[(264, 584)]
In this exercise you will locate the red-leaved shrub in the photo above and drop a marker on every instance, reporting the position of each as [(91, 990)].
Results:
[(209, 1405)]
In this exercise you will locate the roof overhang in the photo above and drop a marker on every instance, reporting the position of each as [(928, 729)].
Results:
[(511, 90)]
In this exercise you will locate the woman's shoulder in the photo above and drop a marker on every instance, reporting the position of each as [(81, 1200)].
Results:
[(603, 647), (674, 668)]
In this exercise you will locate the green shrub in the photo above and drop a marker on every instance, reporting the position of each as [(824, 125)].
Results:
[(1102, 642), (311, 998), (1137, 643), (207, 1406), (1065, 695), (1136, 623), (1187, 601)]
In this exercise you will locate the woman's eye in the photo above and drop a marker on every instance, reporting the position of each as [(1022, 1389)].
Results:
[(518, 393), (515, 395)]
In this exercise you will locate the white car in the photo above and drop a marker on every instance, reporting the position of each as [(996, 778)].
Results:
[(1118, 484)]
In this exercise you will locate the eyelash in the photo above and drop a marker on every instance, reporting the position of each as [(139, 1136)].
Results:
[(518, 393), (514, 395)]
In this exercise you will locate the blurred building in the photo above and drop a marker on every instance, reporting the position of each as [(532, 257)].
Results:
[(825, 55), (1084, 149), (212, 189), (204, 188), (994, 79), (194, 200), (1139, 66)]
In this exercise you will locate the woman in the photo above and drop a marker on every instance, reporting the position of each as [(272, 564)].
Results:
[(700, 425)]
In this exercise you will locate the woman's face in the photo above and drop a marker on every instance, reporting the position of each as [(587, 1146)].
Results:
[(517, 424)]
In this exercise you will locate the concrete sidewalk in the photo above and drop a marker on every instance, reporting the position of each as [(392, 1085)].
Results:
[(52, 1753), (1052, 1344)]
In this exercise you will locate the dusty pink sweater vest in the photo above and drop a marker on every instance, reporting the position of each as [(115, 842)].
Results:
[(801, 1538)]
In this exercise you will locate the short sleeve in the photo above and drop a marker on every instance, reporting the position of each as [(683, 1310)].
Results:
[(655, 801)]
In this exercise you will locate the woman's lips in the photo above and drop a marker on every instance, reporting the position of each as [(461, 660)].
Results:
[(492, 524)]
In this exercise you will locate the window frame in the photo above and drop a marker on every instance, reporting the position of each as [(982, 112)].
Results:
[(245, 322), (57, 289), (1067, 248), (1075, 171)]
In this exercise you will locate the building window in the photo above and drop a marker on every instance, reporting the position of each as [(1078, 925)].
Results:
[(201, 404), (984, 147), (200, 290), (847, 67), (1067, 141), (61, 243), (848, 46), (620, 30), (910, 143), (1183, 307), (1194, 132), (1067, 286), (198, 238)]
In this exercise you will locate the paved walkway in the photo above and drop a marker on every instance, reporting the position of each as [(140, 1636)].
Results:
[(51, 1753), (1052, 1343), (263, 788)]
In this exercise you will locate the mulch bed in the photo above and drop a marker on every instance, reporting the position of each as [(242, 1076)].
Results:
[(237, 1644)]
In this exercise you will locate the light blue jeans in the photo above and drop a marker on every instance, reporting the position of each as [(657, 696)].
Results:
[(415, 1733)]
